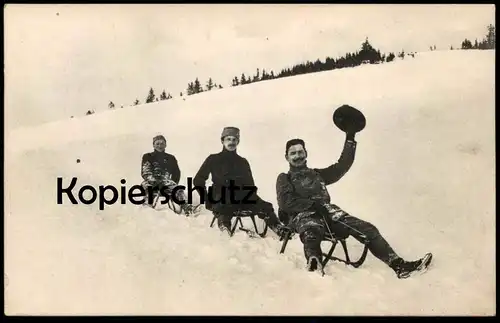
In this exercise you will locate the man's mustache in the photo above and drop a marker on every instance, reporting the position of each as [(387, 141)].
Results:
[(298, 160)]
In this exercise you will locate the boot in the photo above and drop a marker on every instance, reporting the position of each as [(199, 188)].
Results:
[(313, 263), (311, 239), (314, 256), (405, 269), (224, 223)]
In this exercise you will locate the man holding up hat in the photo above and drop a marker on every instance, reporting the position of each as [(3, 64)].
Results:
[(228, 169), (305, 203)]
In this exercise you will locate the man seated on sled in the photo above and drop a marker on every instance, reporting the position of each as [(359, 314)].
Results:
[(303, 196), (228, 169), (161, 174)]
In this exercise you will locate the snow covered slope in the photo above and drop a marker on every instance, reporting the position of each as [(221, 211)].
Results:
[(424, 174)]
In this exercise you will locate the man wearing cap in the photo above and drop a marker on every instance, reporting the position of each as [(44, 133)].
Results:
[(305, 204), (160, 169), (227, 169)]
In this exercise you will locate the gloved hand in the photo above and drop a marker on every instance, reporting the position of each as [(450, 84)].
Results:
[(217, 207), (209, 206), (350, 136), (281, 231), (320, 209), (274, 223), (166, 181)]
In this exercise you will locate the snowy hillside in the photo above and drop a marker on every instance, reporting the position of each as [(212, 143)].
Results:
[(424, 174)]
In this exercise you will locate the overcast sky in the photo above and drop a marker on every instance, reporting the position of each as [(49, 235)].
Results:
[(62, 60)]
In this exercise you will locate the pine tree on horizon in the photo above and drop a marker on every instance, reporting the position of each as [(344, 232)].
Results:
[(197, 86), (210, 84), (151, 96)]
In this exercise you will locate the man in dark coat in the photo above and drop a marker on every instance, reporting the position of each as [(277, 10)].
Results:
[(304, 201), (228, 169), (161, 170)]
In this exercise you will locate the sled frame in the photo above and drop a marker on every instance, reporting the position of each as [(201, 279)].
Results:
[(171, 206), (243, 214), (329, 256)]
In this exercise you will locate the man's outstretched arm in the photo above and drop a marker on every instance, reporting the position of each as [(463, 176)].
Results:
[(336, 171)]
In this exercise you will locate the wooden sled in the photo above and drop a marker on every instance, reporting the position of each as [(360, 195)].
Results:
[(334, 240), (236, 219)]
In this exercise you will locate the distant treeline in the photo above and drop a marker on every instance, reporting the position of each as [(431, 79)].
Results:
[(488, 41), (367, 54)]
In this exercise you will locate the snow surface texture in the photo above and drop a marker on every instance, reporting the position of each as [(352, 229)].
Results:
[(424, 175)]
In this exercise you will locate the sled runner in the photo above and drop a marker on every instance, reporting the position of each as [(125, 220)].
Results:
[(178, 209), (334, 240), (237, 216)]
